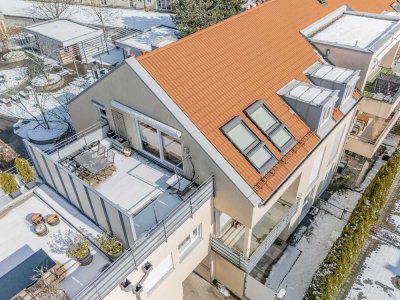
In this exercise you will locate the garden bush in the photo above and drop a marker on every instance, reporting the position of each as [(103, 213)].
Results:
[(8, 183), (335, 268), (24, 169)]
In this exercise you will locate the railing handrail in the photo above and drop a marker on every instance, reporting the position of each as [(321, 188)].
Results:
[(255, 257), (74, 137), (142, 240)]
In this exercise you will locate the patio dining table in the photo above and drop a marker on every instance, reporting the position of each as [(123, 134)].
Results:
[(91, 161)]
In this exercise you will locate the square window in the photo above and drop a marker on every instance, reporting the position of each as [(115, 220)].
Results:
[(281, 137), (263, 118), (260, 157), (242, 137)]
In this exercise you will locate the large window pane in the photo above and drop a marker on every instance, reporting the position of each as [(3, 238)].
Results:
[(281, 137), (263, 118), (149, 139), (172, 149), (241, 136), (260, 157)]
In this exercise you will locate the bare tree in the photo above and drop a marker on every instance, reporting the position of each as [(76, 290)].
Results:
[(6, 37), (47, 285), (103, 14), (52, 9)]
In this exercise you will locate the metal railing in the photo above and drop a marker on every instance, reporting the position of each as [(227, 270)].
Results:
[(230, 254), (272, 236), (247, 264), (75, 137), (144, 246)]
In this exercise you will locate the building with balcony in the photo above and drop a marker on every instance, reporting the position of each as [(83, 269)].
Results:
[(368, 42), (205, 155)]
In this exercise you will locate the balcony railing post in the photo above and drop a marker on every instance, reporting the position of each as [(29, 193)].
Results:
[(165, 231), (191, 208)]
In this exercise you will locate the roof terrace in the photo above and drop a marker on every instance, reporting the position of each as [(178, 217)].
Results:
[(135, 185), (355, 30), (23, 251)]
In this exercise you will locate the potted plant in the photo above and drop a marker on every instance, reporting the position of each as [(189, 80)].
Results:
[(47, 285), (25, 171), (79, 250), (110, 245), (9, 185)]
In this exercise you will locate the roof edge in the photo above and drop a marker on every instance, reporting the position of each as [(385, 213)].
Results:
[(185, 121)]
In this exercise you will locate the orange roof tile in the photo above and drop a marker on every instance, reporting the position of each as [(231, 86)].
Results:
[(214, 74), (337, 114)]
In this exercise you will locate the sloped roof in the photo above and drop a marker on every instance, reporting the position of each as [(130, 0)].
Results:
[(216, 73)]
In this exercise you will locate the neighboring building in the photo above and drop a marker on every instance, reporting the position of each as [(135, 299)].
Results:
[(65, 40), (3, 27), (162, 5), (235, 130), (370, 43), (147, 41)]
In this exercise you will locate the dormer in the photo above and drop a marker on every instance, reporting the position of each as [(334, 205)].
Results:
[(335, 78), (312, 103)]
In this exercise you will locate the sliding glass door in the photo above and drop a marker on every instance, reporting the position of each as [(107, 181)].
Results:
[(160, 144)]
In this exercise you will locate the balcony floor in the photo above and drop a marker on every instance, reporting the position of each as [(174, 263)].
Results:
[(140, 187), (234, 237)]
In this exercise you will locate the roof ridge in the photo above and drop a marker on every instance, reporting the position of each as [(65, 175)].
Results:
[(202, 31)]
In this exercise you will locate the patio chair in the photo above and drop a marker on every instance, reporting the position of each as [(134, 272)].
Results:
[(111, 156), (101, 150)]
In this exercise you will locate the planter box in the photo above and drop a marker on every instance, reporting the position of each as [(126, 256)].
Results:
[(29, 185), (16, 194), (86, 260)]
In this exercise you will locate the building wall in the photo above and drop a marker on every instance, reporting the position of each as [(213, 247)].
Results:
[(140, 4), (349, 59), (124, 86), (170, 286), (377, 108)]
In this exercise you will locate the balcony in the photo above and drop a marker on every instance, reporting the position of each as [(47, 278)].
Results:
[(384, 86), (230, 244), (367, 142), (142, 248)]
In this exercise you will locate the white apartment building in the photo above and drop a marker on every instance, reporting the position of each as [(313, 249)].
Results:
[(219, 144)]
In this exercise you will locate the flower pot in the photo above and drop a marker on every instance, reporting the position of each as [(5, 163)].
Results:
[(16, 194), (85, 260), (127, 152), (41, 229), (29, 185), (53, 220), (37, 218), (110, 133), (115, 256)]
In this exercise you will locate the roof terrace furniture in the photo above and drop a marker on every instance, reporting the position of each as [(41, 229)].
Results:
[(92, 161), (21, 276)]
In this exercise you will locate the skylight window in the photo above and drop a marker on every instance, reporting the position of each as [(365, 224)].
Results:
[(242, 137), (270, 126), (262, 117), (249, 145), (259, 157), (281, 137)]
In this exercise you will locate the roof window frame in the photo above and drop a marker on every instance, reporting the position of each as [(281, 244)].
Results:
[(253, 148), (273, 129)]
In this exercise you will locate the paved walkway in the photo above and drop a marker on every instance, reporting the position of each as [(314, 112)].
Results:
[(384, 236), (196, 288)]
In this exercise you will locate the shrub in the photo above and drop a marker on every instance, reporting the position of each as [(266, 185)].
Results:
[(109, 244), (8, 183), (79, 248), (24, 169), (335, 268)]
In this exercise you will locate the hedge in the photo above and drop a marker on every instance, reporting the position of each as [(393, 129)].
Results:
[(335, 268)]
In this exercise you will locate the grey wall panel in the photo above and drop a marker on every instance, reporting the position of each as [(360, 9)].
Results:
[(42, 165), (98, 209), (80, 189), (68, 186), (59, 185)]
